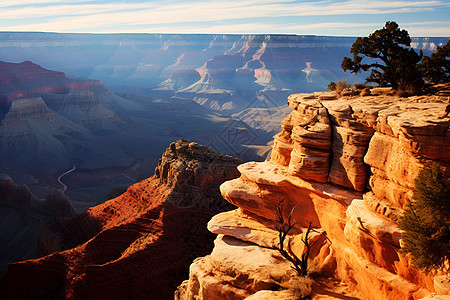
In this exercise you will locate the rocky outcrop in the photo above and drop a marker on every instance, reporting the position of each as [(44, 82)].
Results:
[(16, 120), (26, 79), (139, 244), (345, 165), (80, 106)]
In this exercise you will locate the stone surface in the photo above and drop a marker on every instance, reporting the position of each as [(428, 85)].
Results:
[(442, 284), (234, 270), (251, 228), (377, 145)]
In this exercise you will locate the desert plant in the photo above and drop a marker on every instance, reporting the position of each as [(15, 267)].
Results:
[(332, 86), (394, 62), (283, 226), (339, 86), (365, 92), (426, 220), (301, 286), (402, 94), (342, 85)]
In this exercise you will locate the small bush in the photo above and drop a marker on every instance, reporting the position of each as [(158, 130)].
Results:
[(332, 86), (402, 94), (301, 286), (342, 85)]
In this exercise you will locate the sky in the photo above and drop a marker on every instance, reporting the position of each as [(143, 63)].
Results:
[(332, 18)]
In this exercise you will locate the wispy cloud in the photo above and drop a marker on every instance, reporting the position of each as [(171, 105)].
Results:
[(203, 16)]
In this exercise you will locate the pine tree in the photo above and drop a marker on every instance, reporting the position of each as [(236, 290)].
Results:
[(426, 220), (392, 61)]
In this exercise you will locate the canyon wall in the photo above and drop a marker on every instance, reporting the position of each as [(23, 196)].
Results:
[(138, 245), (346, 165), (222, 72), (50, 124)]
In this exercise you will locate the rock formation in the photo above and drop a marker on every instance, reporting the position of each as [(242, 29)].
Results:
[(138, 245), (26, 222), (347, 165)]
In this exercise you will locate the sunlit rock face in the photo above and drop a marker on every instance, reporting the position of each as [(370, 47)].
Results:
[(375, 147), (139, 244)]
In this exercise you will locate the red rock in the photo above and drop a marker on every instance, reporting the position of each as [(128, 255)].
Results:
[(393, 138), (139, 244)]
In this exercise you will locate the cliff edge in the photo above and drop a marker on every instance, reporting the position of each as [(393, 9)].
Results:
[(347, 165), (138, 245)]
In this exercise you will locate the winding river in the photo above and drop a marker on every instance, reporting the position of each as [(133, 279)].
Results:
[(64, 187)]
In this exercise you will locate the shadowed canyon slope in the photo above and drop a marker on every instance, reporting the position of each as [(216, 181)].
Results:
[(347, 165), (138, 245), (74, 134), (26, 222)]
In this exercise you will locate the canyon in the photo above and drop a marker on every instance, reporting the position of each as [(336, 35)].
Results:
[(51, 124), (344, 164), (224, 91), (225, 73)]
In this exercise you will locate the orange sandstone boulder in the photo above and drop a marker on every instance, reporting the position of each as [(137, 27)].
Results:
[(348, 165)]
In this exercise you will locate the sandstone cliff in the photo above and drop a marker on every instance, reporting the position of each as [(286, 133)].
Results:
[(138, 245), (347, 164)]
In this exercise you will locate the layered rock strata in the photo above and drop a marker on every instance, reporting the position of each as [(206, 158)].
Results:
[(138, 245), (345, 165)]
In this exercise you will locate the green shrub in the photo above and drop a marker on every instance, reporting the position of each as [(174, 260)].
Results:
[(331, 86), (426, 220), (339, 86)]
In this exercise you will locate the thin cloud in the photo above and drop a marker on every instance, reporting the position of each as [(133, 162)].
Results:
[(203, 16)]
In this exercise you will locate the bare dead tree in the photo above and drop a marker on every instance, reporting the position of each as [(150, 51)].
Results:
[(283, 226)]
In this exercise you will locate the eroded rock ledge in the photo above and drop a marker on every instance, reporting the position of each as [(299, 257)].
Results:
[(348, 164)]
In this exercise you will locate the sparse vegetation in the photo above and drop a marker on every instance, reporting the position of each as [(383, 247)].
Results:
[(395, 63), (283, 226), (359, 85), (331, 86), (426, 221), (365, 92), (339, 86), (301, 286)]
